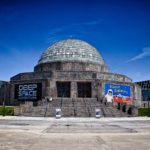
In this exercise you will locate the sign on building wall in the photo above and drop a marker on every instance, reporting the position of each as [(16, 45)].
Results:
[(120, 93), (29, 91)]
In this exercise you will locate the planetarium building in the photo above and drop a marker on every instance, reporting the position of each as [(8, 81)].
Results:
[(72, 75)]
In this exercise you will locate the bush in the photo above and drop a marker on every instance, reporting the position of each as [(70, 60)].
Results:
[(144, 112), (7, 110)]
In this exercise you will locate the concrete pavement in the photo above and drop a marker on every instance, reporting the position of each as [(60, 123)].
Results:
[(34, 133)]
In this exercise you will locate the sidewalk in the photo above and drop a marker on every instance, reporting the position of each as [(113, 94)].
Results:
[(39, 133), (73, 118)]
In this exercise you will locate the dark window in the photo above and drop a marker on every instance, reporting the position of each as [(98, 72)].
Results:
[(58, 66), (63, 89), (84, 89), (94, 75), (145, 94)]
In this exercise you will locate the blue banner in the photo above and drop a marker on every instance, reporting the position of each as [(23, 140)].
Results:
[(123, 90)]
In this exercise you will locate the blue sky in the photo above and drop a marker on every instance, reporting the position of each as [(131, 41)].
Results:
[(119, 29)]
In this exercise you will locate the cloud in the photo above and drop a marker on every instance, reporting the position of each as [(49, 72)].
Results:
[(145, 53), (72, 30)]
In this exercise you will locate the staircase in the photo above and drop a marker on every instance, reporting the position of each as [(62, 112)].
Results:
[(81, 107)]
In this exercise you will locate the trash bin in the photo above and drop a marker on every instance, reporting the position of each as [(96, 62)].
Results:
[(97, 113), (58, 113)]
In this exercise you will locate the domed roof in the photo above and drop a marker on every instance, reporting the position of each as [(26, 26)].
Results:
[(71, 50)]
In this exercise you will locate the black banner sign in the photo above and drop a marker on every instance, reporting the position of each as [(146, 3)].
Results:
[(29, 91)]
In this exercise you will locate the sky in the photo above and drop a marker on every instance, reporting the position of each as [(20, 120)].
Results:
[(119, 29)]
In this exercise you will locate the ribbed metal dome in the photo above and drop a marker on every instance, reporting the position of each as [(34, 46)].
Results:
[(71, 50)]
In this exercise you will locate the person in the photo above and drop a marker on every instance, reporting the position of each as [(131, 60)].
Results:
[(109, 97)]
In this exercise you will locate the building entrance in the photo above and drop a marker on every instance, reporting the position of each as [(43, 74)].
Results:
[(63, 89), (84, 89)]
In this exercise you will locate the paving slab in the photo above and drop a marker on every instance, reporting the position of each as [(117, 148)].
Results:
[(36, 133)]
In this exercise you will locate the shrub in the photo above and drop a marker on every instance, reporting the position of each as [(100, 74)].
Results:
[(7, 110), (144, 112)]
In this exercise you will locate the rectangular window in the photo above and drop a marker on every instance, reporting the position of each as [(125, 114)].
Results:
[(63, 89), (58, 66), (84, 89)]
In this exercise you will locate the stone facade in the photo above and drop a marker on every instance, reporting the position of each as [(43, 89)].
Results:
[(81, 76), (49, 77)]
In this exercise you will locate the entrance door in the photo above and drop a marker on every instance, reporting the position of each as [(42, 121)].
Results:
[(63, 89), (84, 89)]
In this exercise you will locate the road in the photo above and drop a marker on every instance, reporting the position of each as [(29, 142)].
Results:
[(35, 133)]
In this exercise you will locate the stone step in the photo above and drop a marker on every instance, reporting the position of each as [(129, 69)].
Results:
[(73, 107)]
